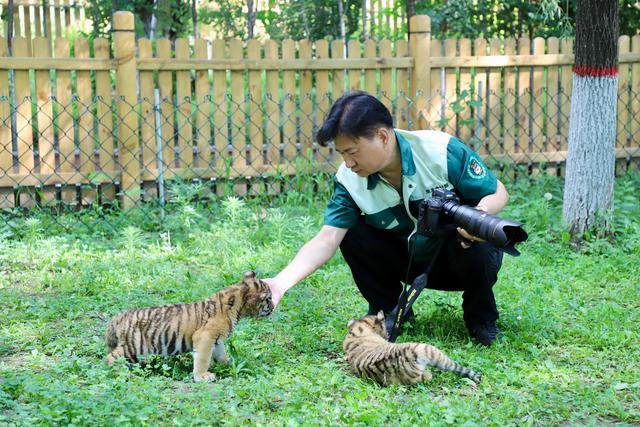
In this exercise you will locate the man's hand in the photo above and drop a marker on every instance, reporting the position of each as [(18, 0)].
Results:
[(315, 253), (470, 239), (276, 291)]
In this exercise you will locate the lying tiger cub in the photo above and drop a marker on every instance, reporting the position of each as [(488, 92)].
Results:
[(199, 326), (370, 355)]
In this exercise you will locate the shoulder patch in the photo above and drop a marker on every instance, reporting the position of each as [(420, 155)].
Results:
[(476, 170)]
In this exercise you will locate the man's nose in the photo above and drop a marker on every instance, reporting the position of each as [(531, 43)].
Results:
[(349, 162)]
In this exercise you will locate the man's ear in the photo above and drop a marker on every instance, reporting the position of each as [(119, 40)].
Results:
[(350, 322), (384, 134), (380, 315)]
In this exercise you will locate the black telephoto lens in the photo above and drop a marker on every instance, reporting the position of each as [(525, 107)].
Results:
[(502, 233)]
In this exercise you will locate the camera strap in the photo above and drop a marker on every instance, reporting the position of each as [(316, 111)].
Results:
[(408, 296)]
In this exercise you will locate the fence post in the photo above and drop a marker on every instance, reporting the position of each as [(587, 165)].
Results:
[(420, 48), (125, 61)]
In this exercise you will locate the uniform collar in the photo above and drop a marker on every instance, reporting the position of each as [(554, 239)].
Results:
[(406, 158)]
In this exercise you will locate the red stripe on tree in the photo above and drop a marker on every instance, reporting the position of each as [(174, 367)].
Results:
[(589, 71)]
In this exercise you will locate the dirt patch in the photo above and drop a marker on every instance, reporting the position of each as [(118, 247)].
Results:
[(24, 358), (15, 360)]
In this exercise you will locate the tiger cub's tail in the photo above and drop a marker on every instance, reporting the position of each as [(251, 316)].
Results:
[(436, 358)]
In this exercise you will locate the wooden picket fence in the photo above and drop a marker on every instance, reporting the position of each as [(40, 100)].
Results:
[(51, 19), (58, 18), (86, 129)]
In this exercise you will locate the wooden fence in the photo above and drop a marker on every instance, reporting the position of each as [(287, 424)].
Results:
[(86, 129), (51, 19), (58, 18)]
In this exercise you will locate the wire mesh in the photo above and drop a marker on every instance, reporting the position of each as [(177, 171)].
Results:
[(59, 158)]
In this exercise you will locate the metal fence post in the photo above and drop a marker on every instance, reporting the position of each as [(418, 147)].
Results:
[(125, 60), (159, 157)]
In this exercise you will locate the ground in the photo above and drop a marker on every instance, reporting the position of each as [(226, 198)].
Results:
[(569, 314)]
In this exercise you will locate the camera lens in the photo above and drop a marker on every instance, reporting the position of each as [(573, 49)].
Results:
[(502, 233)]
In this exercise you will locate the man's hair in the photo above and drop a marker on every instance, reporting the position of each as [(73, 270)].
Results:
[(355, 114)]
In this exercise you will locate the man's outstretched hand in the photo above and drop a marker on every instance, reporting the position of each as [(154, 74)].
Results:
[(276, 291)]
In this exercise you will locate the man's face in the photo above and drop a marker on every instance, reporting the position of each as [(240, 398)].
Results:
[(364, 156)]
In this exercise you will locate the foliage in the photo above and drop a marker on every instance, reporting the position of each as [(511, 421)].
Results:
[(295, 19), (569, 355), (315, 20), (629, 16), (173, 17), (514, 18), (493, 18)]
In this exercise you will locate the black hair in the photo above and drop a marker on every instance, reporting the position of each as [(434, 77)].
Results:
[(355, 114)]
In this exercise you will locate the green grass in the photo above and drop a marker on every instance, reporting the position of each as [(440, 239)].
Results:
[(570, 318)]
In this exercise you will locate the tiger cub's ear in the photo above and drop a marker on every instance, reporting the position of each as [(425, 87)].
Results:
[(380, 315), (249, 274), (350, 322)]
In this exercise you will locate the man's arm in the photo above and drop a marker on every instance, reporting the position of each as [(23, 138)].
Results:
[(313, 255), (493, 203)]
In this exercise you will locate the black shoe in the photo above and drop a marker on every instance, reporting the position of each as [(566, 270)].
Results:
[(484, 333)]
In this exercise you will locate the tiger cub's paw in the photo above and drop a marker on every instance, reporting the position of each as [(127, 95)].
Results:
[(204, 377)]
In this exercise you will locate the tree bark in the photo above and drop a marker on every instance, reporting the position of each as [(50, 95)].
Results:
[(194, 18), (10, 27), (590, 172), (365, 36), (251, 18), (343, 33), (154, 21), (410, 6)]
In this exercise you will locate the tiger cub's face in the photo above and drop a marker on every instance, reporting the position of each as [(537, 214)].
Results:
[(369, 324), (259, 302)]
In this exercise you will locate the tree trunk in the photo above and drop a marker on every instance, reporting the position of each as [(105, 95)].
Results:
[(251, 18), (9, 25), (305, 21), (520, 19), (410, 6), (194, 18), (365, 36), (343, 34), (588, 191), (154, 21)]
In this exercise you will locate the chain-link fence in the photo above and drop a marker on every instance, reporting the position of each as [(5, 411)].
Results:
[(57, 158)]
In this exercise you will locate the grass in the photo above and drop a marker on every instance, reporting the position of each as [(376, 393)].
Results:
[(570, 318)]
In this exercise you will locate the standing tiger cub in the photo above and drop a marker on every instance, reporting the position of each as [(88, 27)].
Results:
[(370, 355), (199, 326)]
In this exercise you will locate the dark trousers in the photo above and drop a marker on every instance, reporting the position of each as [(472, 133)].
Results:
[(378, 262)]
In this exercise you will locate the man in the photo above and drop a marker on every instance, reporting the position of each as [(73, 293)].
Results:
[(372, 213)]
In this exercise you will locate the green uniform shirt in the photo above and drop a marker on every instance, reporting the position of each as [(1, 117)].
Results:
[(430, 159)]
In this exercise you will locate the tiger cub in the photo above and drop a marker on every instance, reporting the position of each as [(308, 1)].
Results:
[(199, 326), (370, 355)]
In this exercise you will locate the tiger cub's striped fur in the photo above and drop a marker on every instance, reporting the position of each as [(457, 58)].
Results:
[(200, 327), (370, 355)]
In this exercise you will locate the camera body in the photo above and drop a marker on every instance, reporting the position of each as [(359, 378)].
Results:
[(432, 218), (443, 211)]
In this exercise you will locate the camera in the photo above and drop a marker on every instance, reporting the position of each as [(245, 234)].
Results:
[(443, 211)]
